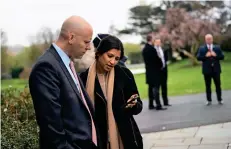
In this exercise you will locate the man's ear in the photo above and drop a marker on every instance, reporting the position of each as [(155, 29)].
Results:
[(71, 38)]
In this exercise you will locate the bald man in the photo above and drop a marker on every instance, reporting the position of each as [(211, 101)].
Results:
[(63, 110), (210, 55)]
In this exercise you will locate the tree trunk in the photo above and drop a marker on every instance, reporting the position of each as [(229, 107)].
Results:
[(191, 56), (194, 49)]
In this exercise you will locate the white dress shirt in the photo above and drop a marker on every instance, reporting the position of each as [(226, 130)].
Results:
[(160, 54), (210, 46)]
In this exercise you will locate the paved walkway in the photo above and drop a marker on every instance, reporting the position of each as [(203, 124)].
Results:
[(138, 71), (216, 136), (187, 111)]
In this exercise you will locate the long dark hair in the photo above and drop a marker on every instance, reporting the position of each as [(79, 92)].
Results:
[(105, 42)]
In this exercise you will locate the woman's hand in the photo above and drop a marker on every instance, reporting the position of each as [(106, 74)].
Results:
[(133, 103)]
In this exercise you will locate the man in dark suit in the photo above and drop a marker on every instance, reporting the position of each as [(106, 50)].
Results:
[(122, 61), (63, 110), (210, 55), (156, 72)]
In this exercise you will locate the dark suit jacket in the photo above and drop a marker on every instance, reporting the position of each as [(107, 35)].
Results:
[(122, 61), (124, 88), (62, 117), (210, 65), (153, 64)]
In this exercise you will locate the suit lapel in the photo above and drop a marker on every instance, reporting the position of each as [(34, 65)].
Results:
[(206, 48), (66, 72), (214, 48)]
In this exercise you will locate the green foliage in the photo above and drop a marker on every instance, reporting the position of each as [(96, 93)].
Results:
[(15, 71), (27, 56), (135, 57), (140, 21), (5, 57), (131, 47), (33, 54), (22, 58), (145, 19), (133, 51), (3, 60), (6, 60), (19, 128), (15, 83), (225, 43)]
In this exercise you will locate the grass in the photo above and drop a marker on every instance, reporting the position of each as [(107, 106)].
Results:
[(15, 83), (188, 80), (182, 79)]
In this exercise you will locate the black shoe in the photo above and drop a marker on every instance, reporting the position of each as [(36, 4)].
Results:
[(151, 107), (167, 105), (161, 108), (209, 103)]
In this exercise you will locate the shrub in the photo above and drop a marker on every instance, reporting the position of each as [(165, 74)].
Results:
[(15, 71), (19, 128), (135, 57), (225, 44)]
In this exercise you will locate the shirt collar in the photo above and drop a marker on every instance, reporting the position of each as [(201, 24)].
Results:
[(66, 60), (211, 45), (158, 47)]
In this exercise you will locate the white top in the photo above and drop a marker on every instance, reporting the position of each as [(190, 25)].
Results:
[(160, 54), (210, 46)]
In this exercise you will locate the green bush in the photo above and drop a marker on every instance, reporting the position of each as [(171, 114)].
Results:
[(19, 128), (135, 57), (226, 44), (131, 47), (15, 71)]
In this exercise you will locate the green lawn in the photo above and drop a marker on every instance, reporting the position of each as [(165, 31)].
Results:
[(188, 80), (15, 83), (182, 79)]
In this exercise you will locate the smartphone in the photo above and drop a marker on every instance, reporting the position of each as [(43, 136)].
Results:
[(133, 99)]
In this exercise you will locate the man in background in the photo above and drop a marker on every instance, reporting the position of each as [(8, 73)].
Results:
[(210, 55), (156, 73), (123, 61), (163, 77)]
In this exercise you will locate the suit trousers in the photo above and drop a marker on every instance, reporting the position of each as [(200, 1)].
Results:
[(217, 81), (154, 91)]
